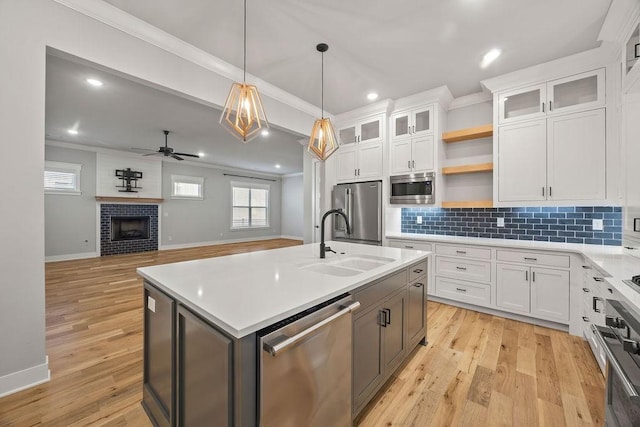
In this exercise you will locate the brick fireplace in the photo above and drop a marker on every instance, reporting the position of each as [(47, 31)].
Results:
[(128, 228)]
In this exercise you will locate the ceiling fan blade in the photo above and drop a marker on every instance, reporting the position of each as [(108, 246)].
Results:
[(143, 149), (177, 157), (188, 155), (150, 154)]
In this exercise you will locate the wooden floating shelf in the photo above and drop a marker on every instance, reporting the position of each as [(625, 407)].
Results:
[(469, 204), (479, 167), (128, 199), (466, 134)]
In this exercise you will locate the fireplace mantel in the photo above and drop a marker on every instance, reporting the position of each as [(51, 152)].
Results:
[(128, 199)]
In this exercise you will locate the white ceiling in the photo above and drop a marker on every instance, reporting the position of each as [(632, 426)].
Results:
[(396, 48), (124, 113)]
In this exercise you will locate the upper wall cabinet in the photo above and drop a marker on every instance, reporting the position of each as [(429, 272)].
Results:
[(364, 131), (574, 93), (412, 122)]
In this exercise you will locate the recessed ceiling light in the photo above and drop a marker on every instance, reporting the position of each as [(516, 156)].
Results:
[(489, 57), (94, 82), (372, 96), (72, 131), (265, 133), (201, 154), (277, 166)]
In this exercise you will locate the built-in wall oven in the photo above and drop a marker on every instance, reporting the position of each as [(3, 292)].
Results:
[(416, 188), (620, 339)]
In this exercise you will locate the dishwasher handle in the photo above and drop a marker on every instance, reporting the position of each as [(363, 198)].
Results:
[(276, 349)]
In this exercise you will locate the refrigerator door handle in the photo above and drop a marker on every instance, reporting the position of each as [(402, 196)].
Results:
[(349, 209)]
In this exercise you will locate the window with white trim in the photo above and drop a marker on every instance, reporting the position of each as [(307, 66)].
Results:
[(61, 178), (249, 205), (187, 187)]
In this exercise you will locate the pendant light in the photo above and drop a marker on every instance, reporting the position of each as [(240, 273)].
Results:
[(323, 142), (243, 115)]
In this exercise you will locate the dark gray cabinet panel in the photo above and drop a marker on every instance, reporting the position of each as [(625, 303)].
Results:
[(416, 312), (204, 373), (393, 333), (367, 361), (159, 344)]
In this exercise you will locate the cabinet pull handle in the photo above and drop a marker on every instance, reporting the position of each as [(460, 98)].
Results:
[(586, 290), (595, 304), (543, 107), (413, 164), (530, 259), (417, 270), (586, 267), (526, 275), (585, 318), (461, 289), (598, 279), (418, 285), (461, 252), (408, 246), (533, 276), (387, 319), (383, 318), (461, 268), (542, 191), (358, 171), (550, 105), (549, 191)]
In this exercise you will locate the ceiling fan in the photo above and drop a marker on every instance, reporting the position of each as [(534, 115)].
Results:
[(166, 150)]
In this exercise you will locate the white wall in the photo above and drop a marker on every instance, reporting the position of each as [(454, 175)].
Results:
[(292, 206), (107, 184), (26, 29)]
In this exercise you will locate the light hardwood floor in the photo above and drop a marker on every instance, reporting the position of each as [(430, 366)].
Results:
[(478, 370)]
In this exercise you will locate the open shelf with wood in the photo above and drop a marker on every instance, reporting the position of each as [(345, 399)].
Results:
[(467, 134), (469, 204), (478, 167)]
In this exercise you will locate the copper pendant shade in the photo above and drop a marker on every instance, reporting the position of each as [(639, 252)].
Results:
[(323, 142), (243, 115)]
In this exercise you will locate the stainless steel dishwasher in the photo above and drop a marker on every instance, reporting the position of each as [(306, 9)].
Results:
[(305, 367)]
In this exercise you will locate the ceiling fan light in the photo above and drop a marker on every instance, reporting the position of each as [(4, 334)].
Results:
[(323, 142), (243, 114)]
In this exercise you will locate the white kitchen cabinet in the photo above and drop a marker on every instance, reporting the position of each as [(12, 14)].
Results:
[(414, 122), (359, 162), (578, 92), (561, 158), (368, 130), (539, 291), (411, 155)]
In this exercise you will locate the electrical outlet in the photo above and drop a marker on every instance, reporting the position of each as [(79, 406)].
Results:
[(165, 214), (597, 225), (418, 219), (500, 222)]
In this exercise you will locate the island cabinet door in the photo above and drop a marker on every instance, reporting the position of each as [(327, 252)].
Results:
[(394, 330), (416, 312), (367, 363), (204, 373), (159, 344)]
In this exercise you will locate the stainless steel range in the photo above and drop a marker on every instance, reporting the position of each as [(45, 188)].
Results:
[(620, 339)]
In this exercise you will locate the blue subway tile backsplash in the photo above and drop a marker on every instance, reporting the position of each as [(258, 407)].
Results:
[(565, 224)]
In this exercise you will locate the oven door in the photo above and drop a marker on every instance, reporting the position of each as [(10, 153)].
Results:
[(622, 401)]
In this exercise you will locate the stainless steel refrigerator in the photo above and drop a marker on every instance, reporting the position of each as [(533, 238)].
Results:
[(362, 202)]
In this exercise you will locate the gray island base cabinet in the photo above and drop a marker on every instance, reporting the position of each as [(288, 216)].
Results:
[(196, 374)]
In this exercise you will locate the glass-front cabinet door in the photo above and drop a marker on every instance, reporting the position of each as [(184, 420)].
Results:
[(370, 130), (347, 135), (578, 92), (421, 120), (400, 125), (527, 103)]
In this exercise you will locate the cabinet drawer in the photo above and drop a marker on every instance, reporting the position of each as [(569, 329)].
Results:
[(533, 258), (464, 251), (373, 294), (464, 269), (459, 290), (408, 244), (417, 270)]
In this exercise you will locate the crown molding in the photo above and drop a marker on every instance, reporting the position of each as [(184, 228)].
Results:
[(573, 64), (380, 107), (291, 175), (619, 22), (135, 27), (441, 95), (472, 99)]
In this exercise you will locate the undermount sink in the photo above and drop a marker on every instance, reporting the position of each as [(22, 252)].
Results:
[(349, 265)]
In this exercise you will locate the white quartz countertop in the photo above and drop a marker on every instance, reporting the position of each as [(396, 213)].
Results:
[(244, 293), (614, 261)]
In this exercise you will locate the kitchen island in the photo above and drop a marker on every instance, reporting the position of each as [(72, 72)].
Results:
[(203, 321)]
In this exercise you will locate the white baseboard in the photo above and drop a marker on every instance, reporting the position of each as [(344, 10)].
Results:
[(27, 378), (68, 257), (221, 242)]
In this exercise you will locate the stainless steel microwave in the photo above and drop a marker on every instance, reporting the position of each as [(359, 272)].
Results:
[(416, 188)]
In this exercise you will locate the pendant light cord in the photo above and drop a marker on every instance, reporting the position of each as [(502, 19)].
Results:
[(322, 87), (244, 68)]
